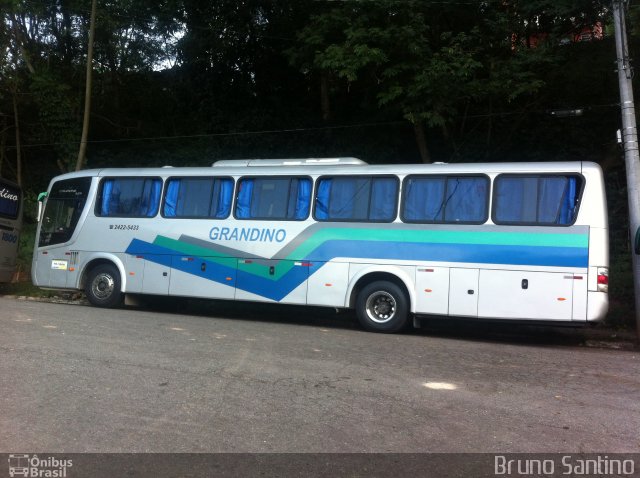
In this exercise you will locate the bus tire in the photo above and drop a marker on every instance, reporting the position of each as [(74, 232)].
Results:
[(103, 286), (382, 307)]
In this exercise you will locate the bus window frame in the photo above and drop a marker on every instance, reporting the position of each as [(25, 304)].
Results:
[(236, 192), (446, 177), (356, 176), (100, 190), (165, 187), (579, 193)]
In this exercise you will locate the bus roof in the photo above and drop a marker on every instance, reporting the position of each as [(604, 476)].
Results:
[(346, 169)]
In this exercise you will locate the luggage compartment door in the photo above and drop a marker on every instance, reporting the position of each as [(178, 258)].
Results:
[(525, 295)]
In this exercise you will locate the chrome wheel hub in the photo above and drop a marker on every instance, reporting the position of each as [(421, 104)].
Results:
[(102, 286), (381, 307)]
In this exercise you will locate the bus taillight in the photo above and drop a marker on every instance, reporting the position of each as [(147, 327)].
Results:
[(603, 279)]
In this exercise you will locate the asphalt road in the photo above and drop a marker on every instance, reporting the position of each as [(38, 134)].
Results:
[(266, 379)]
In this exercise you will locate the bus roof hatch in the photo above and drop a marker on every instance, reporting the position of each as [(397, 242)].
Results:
[(288, 162)]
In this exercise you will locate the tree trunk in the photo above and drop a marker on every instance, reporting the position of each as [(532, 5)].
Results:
[(421, 140), (20, 40), (87, 91)]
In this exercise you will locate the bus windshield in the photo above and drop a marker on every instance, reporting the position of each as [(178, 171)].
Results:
[(62, 211)]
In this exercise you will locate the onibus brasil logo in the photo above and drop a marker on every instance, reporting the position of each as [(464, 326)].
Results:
[(33, 466)]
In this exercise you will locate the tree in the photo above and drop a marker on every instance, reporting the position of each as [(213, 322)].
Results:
[(435, 63), (416, 58)]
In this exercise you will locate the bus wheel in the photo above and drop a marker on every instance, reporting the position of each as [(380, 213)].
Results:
[(382, 307), (103, 286)]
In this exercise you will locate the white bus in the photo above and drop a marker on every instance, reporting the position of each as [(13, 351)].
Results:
[(512, 241), (10, 227)]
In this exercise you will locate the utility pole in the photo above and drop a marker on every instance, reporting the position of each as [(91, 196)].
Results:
[(87, 92), (629, 141)]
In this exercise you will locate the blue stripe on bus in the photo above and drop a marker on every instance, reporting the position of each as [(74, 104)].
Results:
[(273, 289), (474, 253), (278, 289), (214, 271)]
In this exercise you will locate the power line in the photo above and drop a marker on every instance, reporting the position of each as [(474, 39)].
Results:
[(294, 130), (217, 135)]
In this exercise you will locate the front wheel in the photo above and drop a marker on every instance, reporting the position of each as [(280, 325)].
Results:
[(382, 307), (103, 286)]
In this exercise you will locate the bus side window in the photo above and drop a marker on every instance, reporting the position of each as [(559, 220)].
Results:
[(284, 198), (384, 199), (466, 199), (445, 199), (423, 199), (197, 197), (130, 197), (543, 200), (357, 198)]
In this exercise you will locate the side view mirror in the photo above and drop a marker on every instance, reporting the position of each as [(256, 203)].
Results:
[(41, 198), (636, 242)]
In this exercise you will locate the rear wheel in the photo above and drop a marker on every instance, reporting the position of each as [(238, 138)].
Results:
[(382, 307), (103, 286)]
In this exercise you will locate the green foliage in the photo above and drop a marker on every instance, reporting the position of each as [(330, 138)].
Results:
[(27, 241), (621, 293), (433, 89), (24, 289), (427, 62), (58, 113)]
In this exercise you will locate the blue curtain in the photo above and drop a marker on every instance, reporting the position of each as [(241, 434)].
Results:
[(144, 205), (303, 201), (274, 198), (542, 200), (154, 203), (567, 210), (141, 197), (186, 197), (107, 192), (551, 192), (341, 203), (268, 200), (322, 199), (466, 199), (509, 198), (224, 198), (150, 198), (383, 199), (424, 199), (243, 205), (171, 198)]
